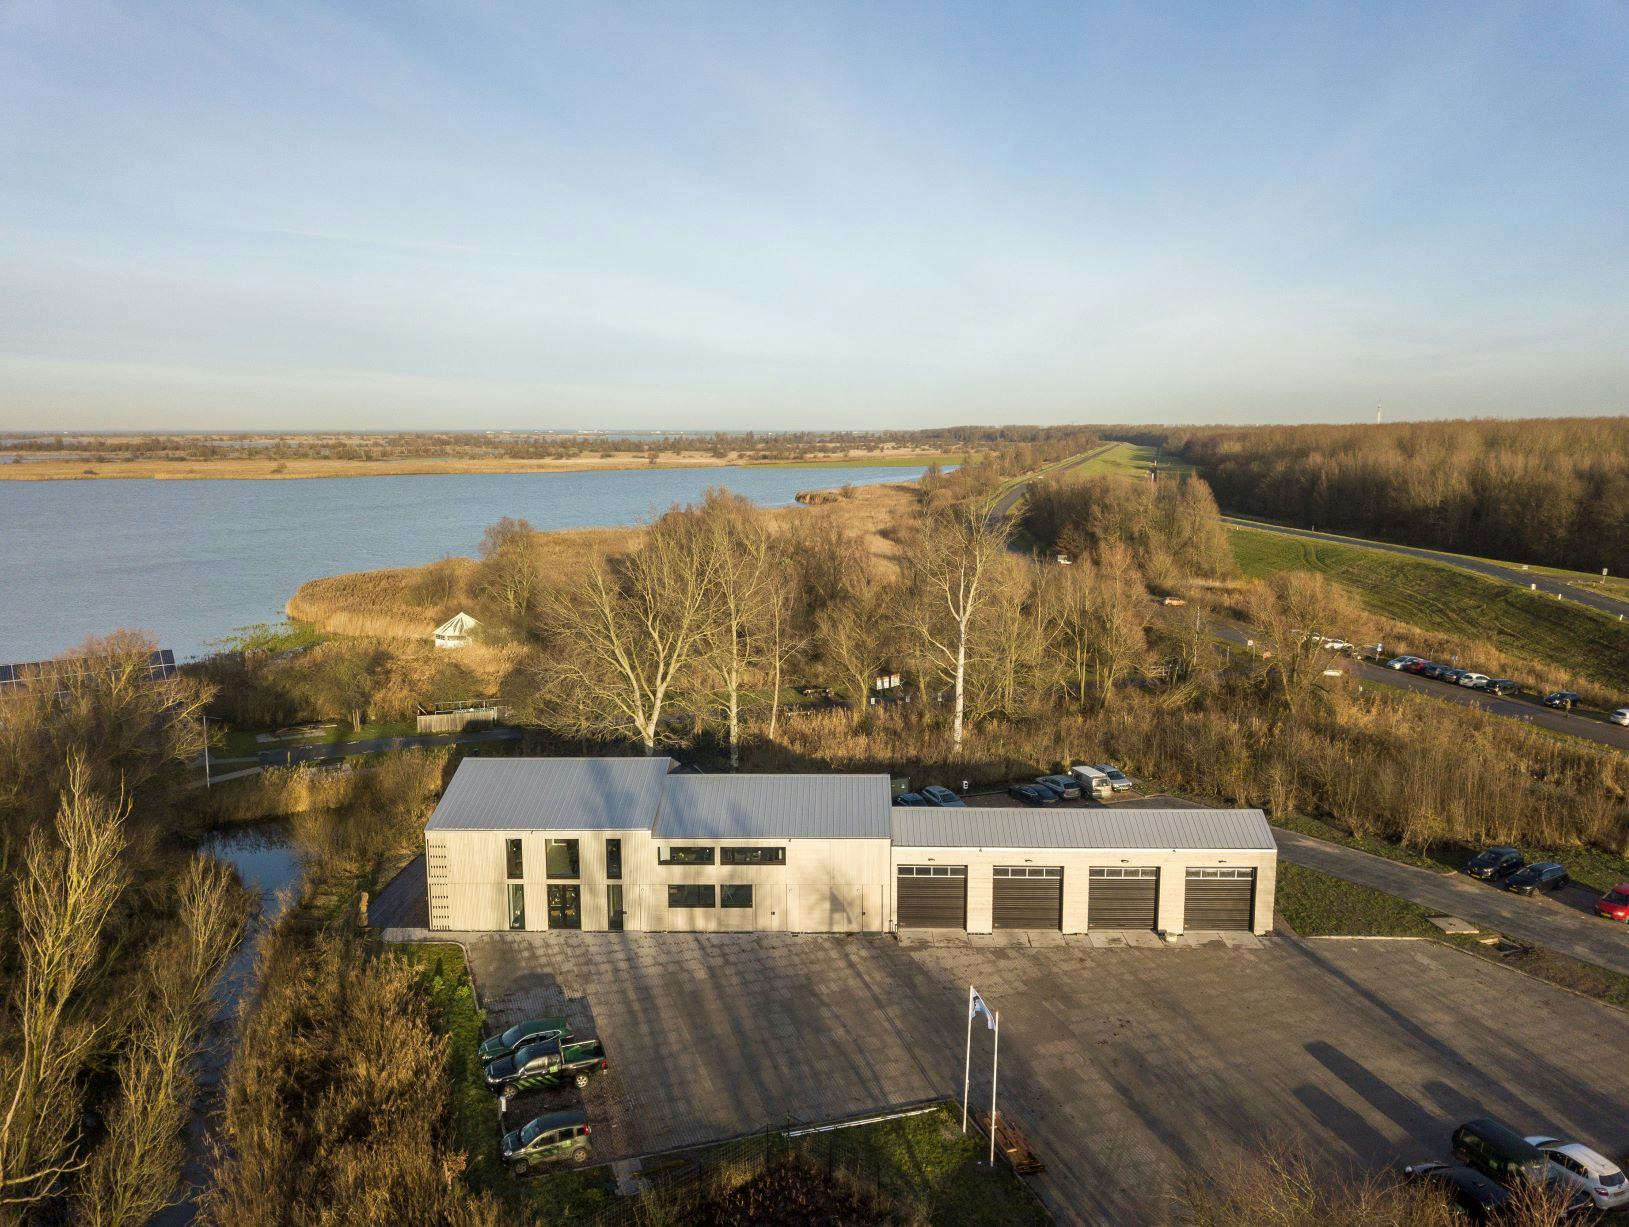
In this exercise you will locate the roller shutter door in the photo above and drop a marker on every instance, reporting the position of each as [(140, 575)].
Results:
[(1028, 897), (932, 896), (1123, 897), (1220, 899)]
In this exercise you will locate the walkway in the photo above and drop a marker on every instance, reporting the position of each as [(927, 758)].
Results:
[(1541, 920)]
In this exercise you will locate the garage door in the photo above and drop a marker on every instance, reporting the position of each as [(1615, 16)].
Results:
[(932, 896), (1220, 899), (1123, 897), (1028, 897)]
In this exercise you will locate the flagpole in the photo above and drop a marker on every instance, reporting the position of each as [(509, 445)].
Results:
[(995, 1059), (967, 1064)]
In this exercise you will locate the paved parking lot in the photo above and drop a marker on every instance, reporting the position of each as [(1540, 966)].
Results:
[(1123, 1065)]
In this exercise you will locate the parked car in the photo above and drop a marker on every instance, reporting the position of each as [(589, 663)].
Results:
[(910, 798), (1578, 1167), (1434, 671), (1419, 666), (1066, 786), (549, 1138), (1541, 875), (1562, 698), (1621, 716), (1492, 864), (1475, 681), (1497, 1150), (521, 1034), (1451, 676), (1119, 779), (1402, 662), (1478, 1197), (1093, 783), (1337, 645), (1501, 686), (545, 1063), (936, 794), (1033, 794), (1614, 905)]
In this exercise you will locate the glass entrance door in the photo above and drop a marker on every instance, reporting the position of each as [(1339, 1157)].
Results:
[(565, 907), (613, 900)]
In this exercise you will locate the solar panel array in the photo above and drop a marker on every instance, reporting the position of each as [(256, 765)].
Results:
[(159, 667)]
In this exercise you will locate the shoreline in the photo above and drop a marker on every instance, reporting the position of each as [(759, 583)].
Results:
[(311, 470)]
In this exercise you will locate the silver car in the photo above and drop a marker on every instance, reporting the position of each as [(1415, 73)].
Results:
[(1585, 1170), (1621, 716)]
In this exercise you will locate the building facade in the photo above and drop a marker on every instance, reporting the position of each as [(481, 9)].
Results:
[(623, 844)]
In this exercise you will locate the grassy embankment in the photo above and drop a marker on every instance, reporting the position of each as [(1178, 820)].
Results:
[(270, 469), (1471, 608), (924, 1157)]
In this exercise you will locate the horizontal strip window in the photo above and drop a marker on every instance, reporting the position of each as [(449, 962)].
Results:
[(1028, 871), (933, 871), (735, 896), (752, 856), (1221, 873), (1123, 871), (684, 856), (690, 896)]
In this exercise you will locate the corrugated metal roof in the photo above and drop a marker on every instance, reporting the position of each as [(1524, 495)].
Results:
[(775, 807), (552, 794), (1233, 830)]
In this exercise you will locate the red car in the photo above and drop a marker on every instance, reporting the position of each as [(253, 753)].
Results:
[(1614, 905)]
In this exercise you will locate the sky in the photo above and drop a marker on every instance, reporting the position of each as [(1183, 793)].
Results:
[(771, 215)]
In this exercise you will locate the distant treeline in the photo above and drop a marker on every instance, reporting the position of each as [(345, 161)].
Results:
[(1553, 492)]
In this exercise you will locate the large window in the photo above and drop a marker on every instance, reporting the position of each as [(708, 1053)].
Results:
[(613, 859), (735, 896), (560, 858), (752, 856), (684, 856), (517, 906), (514, 862), (690, 896)]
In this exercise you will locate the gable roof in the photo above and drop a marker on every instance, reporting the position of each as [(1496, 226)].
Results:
[(775, 807), (552, 794), (459, 624), (1229, 830)]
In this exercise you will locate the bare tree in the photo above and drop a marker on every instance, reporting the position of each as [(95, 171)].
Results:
[(69, 885), (627, 630), (951, 573), (1292, 615), (853, 640), (133, 1174), (509, 573)]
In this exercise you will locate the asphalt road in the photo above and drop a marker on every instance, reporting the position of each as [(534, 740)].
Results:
[(1525, 708), (1003, 506), (1505, 571), (376, 745), (1543, 920)]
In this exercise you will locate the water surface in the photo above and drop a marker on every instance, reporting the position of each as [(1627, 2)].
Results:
[(189, 561)]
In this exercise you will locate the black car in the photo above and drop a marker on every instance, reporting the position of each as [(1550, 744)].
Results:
[(1478, 1196), (1491, 864), (1452, 676), (1033, 794), (938, 794), (1066, 786), (910, 798), (1502, 686), (1541, 875), (1563, 699), (1434, 671)]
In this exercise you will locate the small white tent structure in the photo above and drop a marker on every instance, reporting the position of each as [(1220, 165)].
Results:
[(455, 631)]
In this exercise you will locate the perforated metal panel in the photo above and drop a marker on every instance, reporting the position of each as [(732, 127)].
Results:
[(1222, 899), (1123, 897), (932, 896), (1027, 897)]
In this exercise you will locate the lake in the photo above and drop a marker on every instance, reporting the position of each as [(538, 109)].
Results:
[(189, 561)]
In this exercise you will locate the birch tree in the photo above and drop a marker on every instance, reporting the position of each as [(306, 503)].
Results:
[(625, 632), (951, 573)]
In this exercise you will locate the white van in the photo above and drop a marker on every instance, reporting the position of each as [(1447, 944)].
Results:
[(1093, 782)]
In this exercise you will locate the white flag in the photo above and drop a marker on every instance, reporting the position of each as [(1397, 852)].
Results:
[(978, 1008)]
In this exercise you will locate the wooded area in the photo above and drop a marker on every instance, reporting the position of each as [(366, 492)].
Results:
[(1549, 491)]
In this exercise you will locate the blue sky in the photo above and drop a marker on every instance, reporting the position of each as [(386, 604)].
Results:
[(401, 215)]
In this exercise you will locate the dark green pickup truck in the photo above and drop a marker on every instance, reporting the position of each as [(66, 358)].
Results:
[(546, 1063)]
